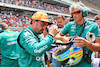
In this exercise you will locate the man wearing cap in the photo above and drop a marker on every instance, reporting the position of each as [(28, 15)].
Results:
[(8, 42), (32, 46)]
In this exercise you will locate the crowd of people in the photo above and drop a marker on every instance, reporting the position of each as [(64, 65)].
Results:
[(41, 5), (14, 20), (27, 48), (38, 4)]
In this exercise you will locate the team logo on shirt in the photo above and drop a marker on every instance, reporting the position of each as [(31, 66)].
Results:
[(87, 27), (73, 28), (41, 49), (27, 33), (12, 34)]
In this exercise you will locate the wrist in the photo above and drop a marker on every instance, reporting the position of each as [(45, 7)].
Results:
[(51, 35), (88, 43)]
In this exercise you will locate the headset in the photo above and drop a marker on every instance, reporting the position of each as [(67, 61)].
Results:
[(84, 11)]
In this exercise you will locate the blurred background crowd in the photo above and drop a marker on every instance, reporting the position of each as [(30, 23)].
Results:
[(17, 20)]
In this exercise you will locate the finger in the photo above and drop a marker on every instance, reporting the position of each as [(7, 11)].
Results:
[(77, 41), (78, 44), (77, 36)]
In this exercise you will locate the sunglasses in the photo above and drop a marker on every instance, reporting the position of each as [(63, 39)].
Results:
[(77, 12)]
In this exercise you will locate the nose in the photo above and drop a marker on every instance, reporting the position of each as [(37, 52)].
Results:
[(74, 15)]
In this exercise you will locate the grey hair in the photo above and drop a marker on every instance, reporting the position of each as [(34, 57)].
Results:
[(79, 6)]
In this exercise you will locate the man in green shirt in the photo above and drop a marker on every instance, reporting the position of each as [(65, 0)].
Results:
[(32, 45), (0, 50), (8, 42), (75, 28)]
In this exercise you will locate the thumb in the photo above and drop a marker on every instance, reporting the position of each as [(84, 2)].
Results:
[(77, 36)]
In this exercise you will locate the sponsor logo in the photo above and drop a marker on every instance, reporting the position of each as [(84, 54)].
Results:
[(41, 49), (11, 43), (27, 33)]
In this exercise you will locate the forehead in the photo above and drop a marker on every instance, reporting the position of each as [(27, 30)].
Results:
[(75, 9), (60, 19)]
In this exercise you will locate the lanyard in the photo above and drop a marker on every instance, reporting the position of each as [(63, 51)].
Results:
[(82, 29), (37, 37)]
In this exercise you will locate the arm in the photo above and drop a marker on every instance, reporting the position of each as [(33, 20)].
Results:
[(63, 32), (93, 46), (32, 46), (61, 37), (81, 42)]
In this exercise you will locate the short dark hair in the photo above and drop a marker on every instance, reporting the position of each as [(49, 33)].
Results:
[(31, 21), (60, 16)]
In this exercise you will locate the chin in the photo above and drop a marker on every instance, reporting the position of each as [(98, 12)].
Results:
[(76, 20), (40, 32)]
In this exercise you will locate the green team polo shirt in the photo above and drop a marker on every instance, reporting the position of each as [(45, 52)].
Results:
[(32, 48), (73, 28), (0, 30), (8, 42)]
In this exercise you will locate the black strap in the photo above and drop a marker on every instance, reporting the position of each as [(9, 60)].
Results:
[(82, 29), (18, 39), (37, 37), (72, 43), (86, 53)]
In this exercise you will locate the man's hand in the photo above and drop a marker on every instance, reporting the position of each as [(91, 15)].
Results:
[(79, 42), (65, 39), (53, 30)]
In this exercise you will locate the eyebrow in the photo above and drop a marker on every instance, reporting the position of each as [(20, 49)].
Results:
[(43, 23)]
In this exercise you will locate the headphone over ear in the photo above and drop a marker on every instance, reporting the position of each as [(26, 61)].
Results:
[(84, 13)]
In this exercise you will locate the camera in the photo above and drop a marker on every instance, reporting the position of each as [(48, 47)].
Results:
[(87, 57)]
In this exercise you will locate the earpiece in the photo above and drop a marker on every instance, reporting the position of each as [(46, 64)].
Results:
[(84, 13)]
